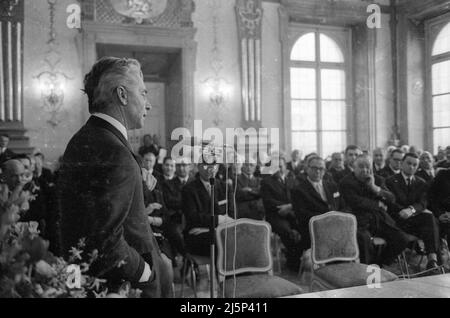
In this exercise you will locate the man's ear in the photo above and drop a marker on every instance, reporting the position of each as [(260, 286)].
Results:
[(122, 95)]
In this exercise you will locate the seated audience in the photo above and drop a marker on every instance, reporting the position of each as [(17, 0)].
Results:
[(168, 169), (351, 153), (296, 166), (446, 162), (276, 194), (426, 169), (148, 165), (196, 197), (394, 165), (368, 198), (172, 190), (313, 195), (378, 160), (439, 201), (409, 209), (248, 193)]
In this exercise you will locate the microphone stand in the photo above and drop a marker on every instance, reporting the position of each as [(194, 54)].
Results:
[(212, 230)]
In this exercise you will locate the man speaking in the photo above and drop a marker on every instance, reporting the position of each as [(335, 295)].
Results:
[(101, 195)]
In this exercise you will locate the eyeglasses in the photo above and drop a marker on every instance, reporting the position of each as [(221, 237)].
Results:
[(319, 169)]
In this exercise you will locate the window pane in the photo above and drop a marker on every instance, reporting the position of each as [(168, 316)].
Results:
[(333, 84), (333, 115), (303, 83), (305, 141), (441, 111), (329, 50), (304, 115), (333, 142), (441, 138), (441, 78), (305, 48), (442, 43)]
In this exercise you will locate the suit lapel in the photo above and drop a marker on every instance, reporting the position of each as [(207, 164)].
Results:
[(312, 191)]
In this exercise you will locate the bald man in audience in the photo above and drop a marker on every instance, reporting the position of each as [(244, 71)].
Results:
[(378, 160), (394, 165), (410, 207), (426, 167), (368, 198)]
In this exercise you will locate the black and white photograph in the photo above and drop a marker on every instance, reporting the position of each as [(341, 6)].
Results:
[(235, 150)]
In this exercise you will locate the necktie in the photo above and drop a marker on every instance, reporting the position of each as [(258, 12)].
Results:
[(320, 190), (208, 188)]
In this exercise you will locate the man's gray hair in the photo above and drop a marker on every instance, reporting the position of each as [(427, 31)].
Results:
[(106, 74)]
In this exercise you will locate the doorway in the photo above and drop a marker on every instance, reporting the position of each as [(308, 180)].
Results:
[(162, 72)]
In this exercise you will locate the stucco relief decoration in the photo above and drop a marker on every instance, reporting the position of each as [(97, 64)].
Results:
[(249, 14), (140, 10), (7, 6)]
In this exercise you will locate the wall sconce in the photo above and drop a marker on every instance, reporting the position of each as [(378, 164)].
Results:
[(52, 86), (217, 90)]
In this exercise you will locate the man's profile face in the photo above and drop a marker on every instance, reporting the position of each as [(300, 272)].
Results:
[(4, 141), (396, 160), (169, 167), (351, 156), (316, 170), (137, 103), (148, 161), (362, 170), (410, 165), (378, 157)]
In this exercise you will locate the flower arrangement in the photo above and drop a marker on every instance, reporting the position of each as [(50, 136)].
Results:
[(29, 270)]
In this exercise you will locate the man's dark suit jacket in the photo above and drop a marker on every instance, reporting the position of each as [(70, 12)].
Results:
[(6, 155), (297, 170), (197, 204), (439, 193), (415, 196), (307, 202), (249, 203), (173, 198), (425, 176), (275, 193), (443, 164), (362, 201), (101, 199), (386, 172)]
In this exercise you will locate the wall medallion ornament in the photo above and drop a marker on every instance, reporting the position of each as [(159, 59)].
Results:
[(140, 10)]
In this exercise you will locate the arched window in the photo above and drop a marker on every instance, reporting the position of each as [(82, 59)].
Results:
[(440, 88), (318, 94)]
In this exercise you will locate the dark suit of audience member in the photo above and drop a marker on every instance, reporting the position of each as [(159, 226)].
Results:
[(428, 176), (277, 192), (421, 224), (337, 175), (445, 164), (172, 190), (387, 172), (197, 211), (439, 201), (248, 197), (373, 220), (307, 202)]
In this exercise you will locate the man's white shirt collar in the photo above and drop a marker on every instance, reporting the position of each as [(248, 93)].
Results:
[(117, 124), (405, 177)]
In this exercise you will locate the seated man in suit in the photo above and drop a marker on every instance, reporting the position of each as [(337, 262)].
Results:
[(351, 153), (367, 197), (168, 169), (394, 166), (196, 198), (5, 152), (439, 201), (148, 168), (295, 166), (378, 160), (248, 193), (172, 190), (276, 194), (336, 167), (313, 195), (409, 209), (426, 169), (446, 162)]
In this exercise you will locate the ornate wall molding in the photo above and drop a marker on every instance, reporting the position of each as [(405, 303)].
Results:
[(249, 15)]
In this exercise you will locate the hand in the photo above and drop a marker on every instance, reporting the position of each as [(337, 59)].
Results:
[(295, 235), (285, 209), (371, 183), (382, 205), (152, 207), (155, 221), (406, 213), (247, 189)]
